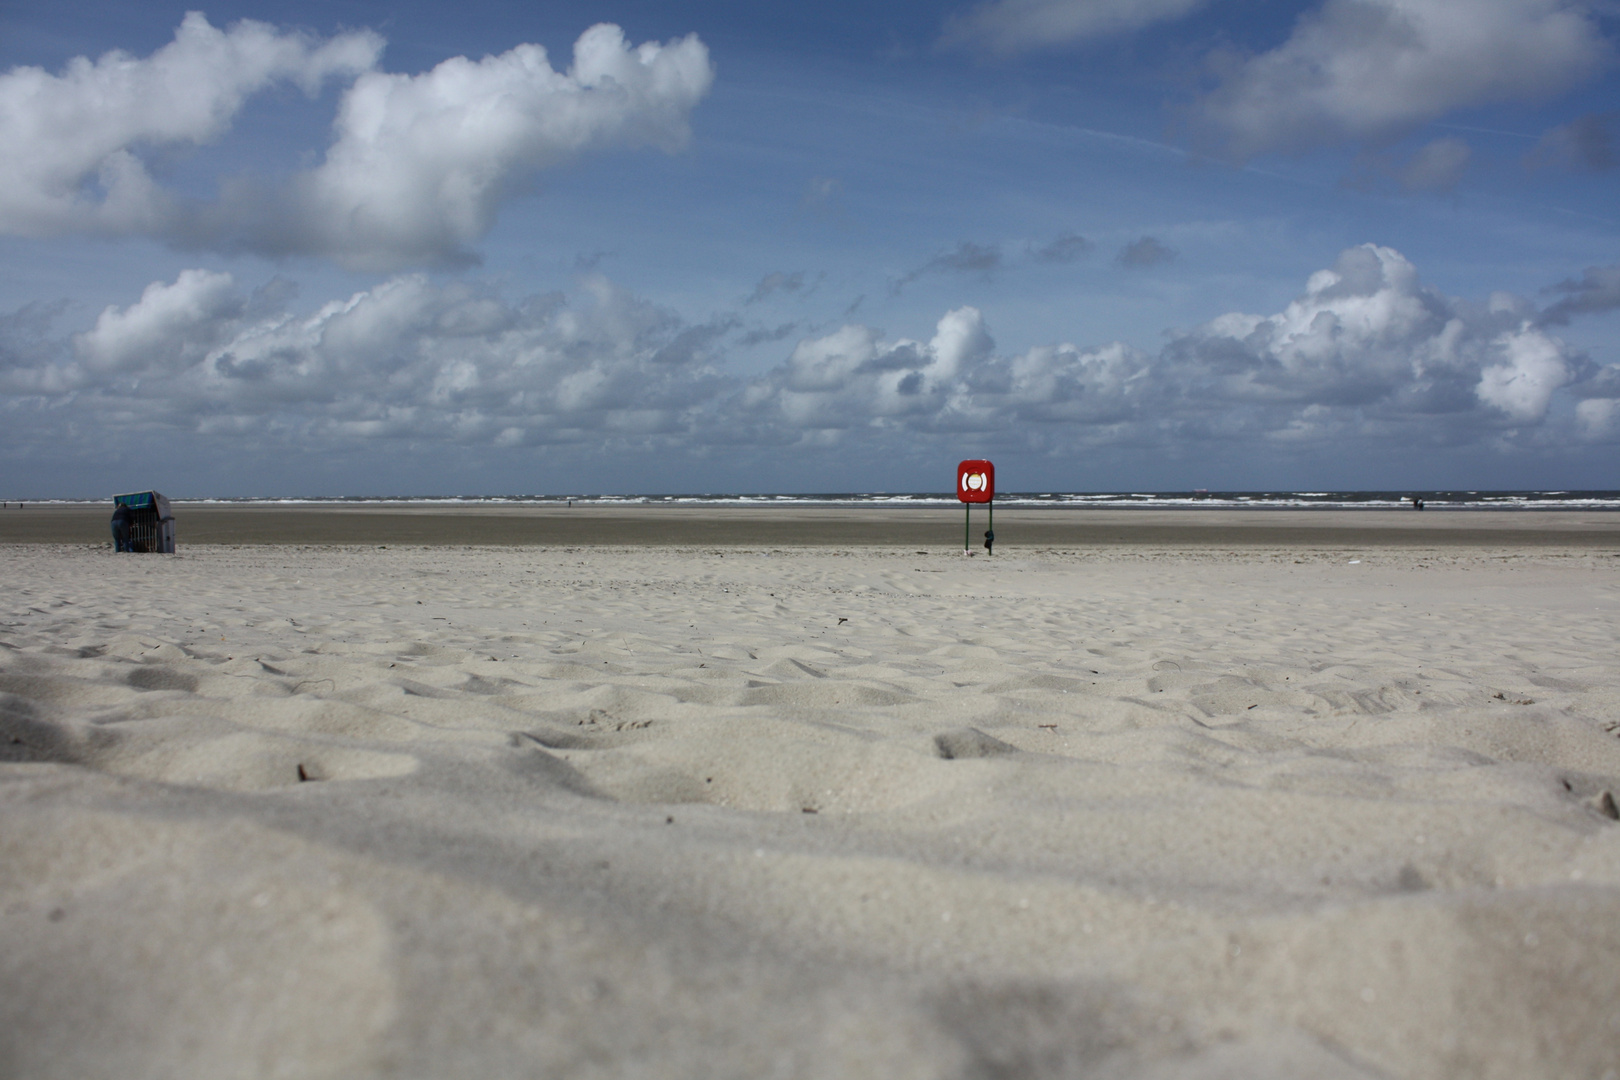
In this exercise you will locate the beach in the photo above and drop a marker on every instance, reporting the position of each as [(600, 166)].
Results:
[(619, 792), (554, 525)]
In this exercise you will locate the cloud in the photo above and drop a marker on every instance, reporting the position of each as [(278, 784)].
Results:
[(966, 258), (850, 378), (1438, 166), (170, 325), (1586, 144), (27, 340), (1006, 27), (1063, 249), (1597, 291), (1371, 70), (1143, 253), (422, 163), (418, 167), (1367, 334), (1367, 352), (775, 282), (1598, 418), (408, 358), (763, 336), (1604, 383), (1533, 365), (71, 139), (985, 259), (1366, 356)]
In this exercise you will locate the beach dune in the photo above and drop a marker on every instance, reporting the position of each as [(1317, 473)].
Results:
[(1174, 808)]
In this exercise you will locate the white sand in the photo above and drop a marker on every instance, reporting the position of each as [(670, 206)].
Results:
[(662, 813)]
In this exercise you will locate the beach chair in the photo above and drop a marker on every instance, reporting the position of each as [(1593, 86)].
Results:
[(151, 525)]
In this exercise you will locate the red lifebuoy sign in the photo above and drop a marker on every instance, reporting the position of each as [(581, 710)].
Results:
[(975, 481)]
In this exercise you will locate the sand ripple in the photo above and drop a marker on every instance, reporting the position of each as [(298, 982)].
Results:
[(517, 812)]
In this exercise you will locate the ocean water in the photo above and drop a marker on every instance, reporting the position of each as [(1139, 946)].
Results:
[(1111, 500)]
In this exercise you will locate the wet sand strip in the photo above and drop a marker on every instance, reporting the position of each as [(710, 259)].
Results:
[(755, 527)]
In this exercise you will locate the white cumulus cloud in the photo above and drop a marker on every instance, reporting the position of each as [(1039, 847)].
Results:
[(1366, 351), (422, 163), (852, 378), (71, 140), (418, 166), (166, 327), (406, 358), (1598, 418), (1522, 385), (1366, 356), (1359, 70)]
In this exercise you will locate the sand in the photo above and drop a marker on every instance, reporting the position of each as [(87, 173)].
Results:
[(1023, 528), (1189, 811)]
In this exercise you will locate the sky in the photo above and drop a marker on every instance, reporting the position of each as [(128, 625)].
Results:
[(350, 248)]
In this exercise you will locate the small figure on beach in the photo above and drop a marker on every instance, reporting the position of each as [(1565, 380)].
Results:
[(989, 538), (120, 528), (1417, 503)]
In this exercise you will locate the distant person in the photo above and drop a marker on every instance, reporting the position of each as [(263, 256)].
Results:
[(989, 539), (120, 528)]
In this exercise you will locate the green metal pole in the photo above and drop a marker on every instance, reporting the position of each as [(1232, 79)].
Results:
[(991, 506), (967, 526)]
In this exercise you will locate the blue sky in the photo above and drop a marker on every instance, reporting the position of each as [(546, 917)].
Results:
[(354, 248)]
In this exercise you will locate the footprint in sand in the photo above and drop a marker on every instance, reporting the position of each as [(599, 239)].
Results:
[(970, 743)]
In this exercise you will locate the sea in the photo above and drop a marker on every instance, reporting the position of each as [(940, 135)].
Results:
[(1077, 500)]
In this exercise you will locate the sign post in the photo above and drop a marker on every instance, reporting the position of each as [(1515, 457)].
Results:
[(976, 483)]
